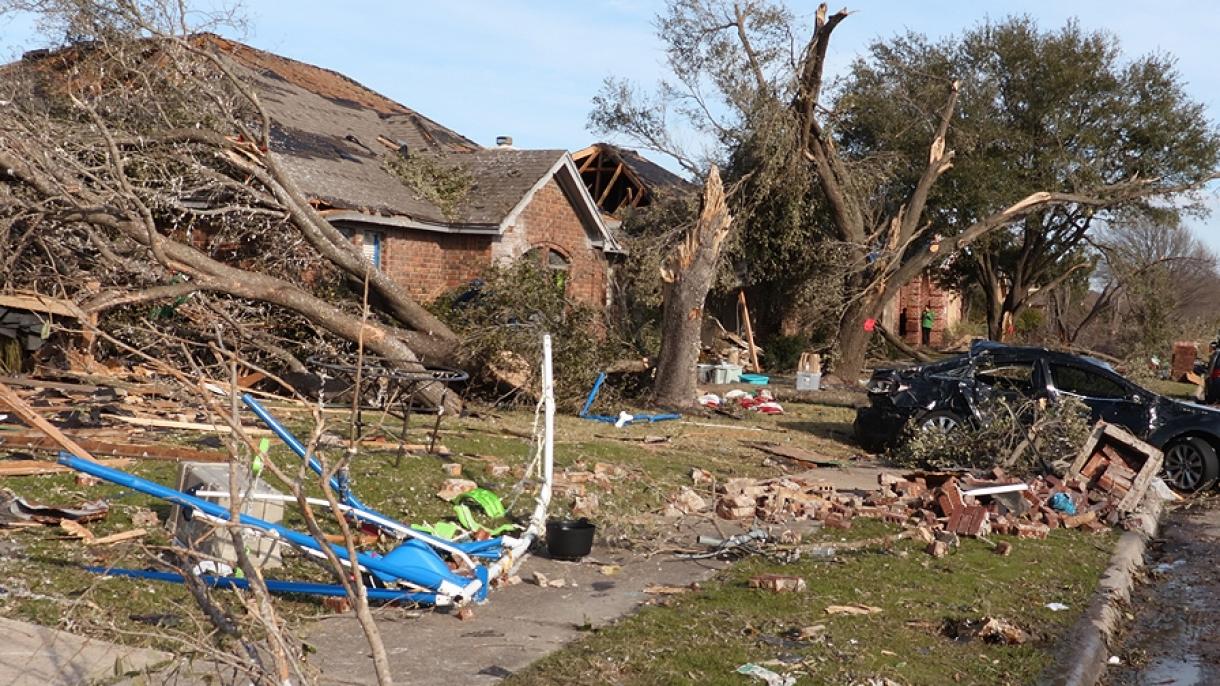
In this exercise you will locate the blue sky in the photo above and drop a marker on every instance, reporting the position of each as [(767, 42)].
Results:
[(528, 68)]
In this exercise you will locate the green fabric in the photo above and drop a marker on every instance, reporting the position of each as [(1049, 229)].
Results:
[(488, 501), (442, 529), (929, 317)]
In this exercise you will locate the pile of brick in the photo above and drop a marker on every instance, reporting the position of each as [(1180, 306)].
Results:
[(782, 499), (1107, 481)]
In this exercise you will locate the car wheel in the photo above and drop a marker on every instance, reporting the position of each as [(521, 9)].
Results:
[(941, 421), (1191, 464)]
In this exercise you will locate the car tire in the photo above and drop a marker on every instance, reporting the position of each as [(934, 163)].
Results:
[(1191, 464), (943, 421)]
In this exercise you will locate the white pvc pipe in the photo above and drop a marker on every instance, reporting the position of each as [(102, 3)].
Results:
[(517, 550)]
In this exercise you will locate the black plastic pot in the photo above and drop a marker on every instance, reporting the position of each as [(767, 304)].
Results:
[(569, 539)]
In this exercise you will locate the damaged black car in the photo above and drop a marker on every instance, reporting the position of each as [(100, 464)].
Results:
[(947, 395)]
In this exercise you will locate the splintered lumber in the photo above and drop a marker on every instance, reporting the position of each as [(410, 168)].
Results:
[(144, 452), (745, 316), (27, 414), (186, 426), (39, 467), (1118, 463), (117, 538)]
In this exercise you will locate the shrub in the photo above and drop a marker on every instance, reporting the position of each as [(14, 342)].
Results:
[(1031, 436), (501, 318)]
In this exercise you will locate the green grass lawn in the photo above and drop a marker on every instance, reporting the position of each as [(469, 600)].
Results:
[(702, 637)]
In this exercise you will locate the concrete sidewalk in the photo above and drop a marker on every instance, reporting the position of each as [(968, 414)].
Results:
[(32, 655)]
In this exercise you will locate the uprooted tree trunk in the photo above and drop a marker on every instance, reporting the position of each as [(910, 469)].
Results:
[(687, 275)]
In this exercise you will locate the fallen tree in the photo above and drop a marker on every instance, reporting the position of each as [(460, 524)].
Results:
[(137, 166)]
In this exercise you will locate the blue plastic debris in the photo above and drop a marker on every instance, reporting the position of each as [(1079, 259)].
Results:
[(1062, 502), (621, 419)]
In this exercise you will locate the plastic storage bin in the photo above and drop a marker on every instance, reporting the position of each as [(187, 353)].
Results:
[(808, 381)]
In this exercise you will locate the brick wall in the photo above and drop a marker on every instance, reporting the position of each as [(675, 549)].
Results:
[(910, 304), (551, 221), (427, 263)]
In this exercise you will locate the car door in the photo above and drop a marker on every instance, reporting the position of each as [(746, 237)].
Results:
[(1108, 397)]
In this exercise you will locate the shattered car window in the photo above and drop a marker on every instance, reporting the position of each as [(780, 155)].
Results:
[(1084, 383), (945, 366), (1010, 376)]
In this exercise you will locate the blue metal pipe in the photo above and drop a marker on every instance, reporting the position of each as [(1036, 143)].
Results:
[(480, 548), (348, 498), (426, 577), (273, 585)]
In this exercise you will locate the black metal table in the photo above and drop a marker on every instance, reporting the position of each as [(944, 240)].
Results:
[(380, 386)]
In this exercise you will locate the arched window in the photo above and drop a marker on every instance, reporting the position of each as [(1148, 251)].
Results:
[(552, 260)]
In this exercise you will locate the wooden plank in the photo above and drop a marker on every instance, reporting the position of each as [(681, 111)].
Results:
[(35, 302), (40, 467), (53, 385), (610, 184), (1087, 450), (187, 426), (95, 447), (119, 537), (745, 315), (27, 414)]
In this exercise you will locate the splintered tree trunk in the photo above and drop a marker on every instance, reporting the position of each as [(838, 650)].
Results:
[(687, 275)]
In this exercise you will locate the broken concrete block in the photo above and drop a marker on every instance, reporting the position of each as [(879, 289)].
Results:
[(690, 502), (938, 549), (585, 505), (778, 583), (452, 488)]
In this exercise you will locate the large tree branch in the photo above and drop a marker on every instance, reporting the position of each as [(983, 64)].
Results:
[(1107, 196), (940, 161), (740, 15)]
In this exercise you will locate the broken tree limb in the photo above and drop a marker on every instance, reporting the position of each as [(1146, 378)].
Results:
[(902, 346), (27, 414)]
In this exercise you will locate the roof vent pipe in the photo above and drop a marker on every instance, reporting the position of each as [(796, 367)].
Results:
[(504, 141)]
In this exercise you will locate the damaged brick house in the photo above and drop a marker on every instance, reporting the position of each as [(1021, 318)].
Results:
[(342, 140)]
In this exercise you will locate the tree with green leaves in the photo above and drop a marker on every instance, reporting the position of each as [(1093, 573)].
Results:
[(1037, 109), (861, 166)]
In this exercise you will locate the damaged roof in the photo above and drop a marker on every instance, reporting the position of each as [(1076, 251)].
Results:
[(335, 136), (338, 138)]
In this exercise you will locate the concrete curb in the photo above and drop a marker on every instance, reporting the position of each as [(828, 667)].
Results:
[(1084, 660)]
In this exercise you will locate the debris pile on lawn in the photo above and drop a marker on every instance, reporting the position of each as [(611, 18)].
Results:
[(127, 413), (1108, 480), (759, 401)]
